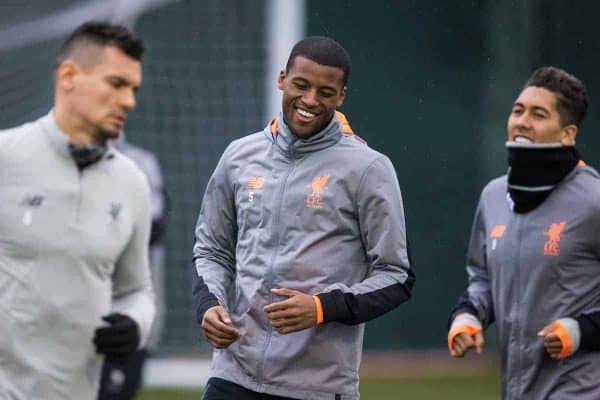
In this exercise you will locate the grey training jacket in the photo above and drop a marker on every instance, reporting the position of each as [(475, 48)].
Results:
[(527, 270), (73, 247), (321, 216)]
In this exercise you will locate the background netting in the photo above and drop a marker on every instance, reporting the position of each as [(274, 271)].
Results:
[(203, 87)]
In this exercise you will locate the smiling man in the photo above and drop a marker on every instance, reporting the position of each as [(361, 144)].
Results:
[(300, 240), (534, 258), (74, 227)]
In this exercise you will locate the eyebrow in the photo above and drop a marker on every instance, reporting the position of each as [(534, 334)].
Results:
[(304, 80), (535, 108), (121, 79)]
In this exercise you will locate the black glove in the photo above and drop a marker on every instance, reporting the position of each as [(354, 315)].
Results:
[(120, 338)]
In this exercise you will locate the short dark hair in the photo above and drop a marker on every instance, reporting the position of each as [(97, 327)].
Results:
[(571, 95), (322, 50), (102, 34)]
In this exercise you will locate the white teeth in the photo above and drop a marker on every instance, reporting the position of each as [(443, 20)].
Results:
[(305, 113), (521, 139)]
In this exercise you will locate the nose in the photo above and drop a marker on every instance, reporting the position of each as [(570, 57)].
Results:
[(128, 100), (309, 98), (521, 121)]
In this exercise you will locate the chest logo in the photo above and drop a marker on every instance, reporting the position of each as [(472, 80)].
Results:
[(318, 186), (253, 185), (551, 247), (30, 202), (34, 201), (496, 233), (114, 211)]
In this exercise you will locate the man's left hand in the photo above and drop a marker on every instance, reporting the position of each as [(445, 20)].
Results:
[(120, 338), (561, 338), (296, 313)]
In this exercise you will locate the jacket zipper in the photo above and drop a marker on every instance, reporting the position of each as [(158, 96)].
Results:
[(519, 335), (259, 367), (79, 195)]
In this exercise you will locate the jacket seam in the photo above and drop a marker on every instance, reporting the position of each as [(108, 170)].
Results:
[(362, 179)]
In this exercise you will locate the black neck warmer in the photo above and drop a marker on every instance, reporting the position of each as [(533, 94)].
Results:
[(87, 155), (534, 170)]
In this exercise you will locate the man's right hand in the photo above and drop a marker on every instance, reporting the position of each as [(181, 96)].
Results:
[(218, 328), (464, 334)]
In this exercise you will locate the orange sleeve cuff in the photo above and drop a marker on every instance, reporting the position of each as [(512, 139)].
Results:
[(319, 309), (560, 331), (468, 329)]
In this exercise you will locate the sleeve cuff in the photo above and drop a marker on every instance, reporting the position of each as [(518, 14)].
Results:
[(204, 306), (569, 334), (463, 323), (589, 325), (319, 309)]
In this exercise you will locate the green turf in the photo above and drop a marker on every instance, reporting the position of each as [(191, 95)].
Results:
[(429, 388)]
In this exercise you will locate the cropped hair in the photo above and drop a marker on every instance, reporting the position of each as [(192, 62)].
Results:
[(322, 50), (102, 34), (571, 95)]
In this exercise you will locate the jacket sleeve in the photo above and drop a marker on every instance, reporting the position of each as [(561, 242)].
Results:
[(132, 286), (390, 279), (477, 299), (216, 237), (589, 325)]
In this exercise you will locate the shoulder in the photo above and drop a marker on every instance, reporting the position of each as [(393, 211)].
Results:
[(127, 172), (246, 147), (494, 187), (357, 153), (18, 135), (585, 184), (145, 160), (138, 154)]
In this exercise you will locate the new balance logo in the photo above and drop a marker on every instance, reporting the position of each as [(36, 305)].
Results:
[(253, 185), (34, 201)]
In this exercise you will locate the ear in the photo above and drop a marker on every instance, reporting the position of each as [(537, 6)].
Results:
[(280, 79), (342, 96), (569, 134), (65, 75)]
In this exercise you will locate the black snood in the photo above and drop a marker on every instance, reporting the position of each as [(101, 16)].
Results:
[(534, 170)]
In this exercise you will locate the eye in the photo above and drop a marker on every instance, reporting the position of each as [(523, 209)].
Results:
[(517, 111), (301, 85), (117, 83)]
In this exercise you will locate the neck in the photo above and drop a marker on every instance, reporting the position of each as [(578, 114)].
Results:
[(74, 127), (308, 136)]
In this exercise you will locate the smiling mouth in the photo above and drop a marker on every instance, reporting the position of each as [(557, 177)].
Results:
[(305, 115), (522, 139)]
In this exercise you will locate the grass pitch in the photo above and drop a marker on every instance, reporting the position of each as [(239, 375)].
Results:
[(428, 388)]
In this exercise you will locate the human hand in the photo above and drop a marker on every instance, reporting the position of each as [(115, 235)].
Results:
[(465, 333), (218, 328), (296, 313), (561, 338), (119, 339)]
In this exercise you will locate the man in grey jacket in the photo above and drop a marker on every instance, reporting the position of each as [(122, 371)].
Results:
[(534, 258), (300, 240), (74, 227)]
